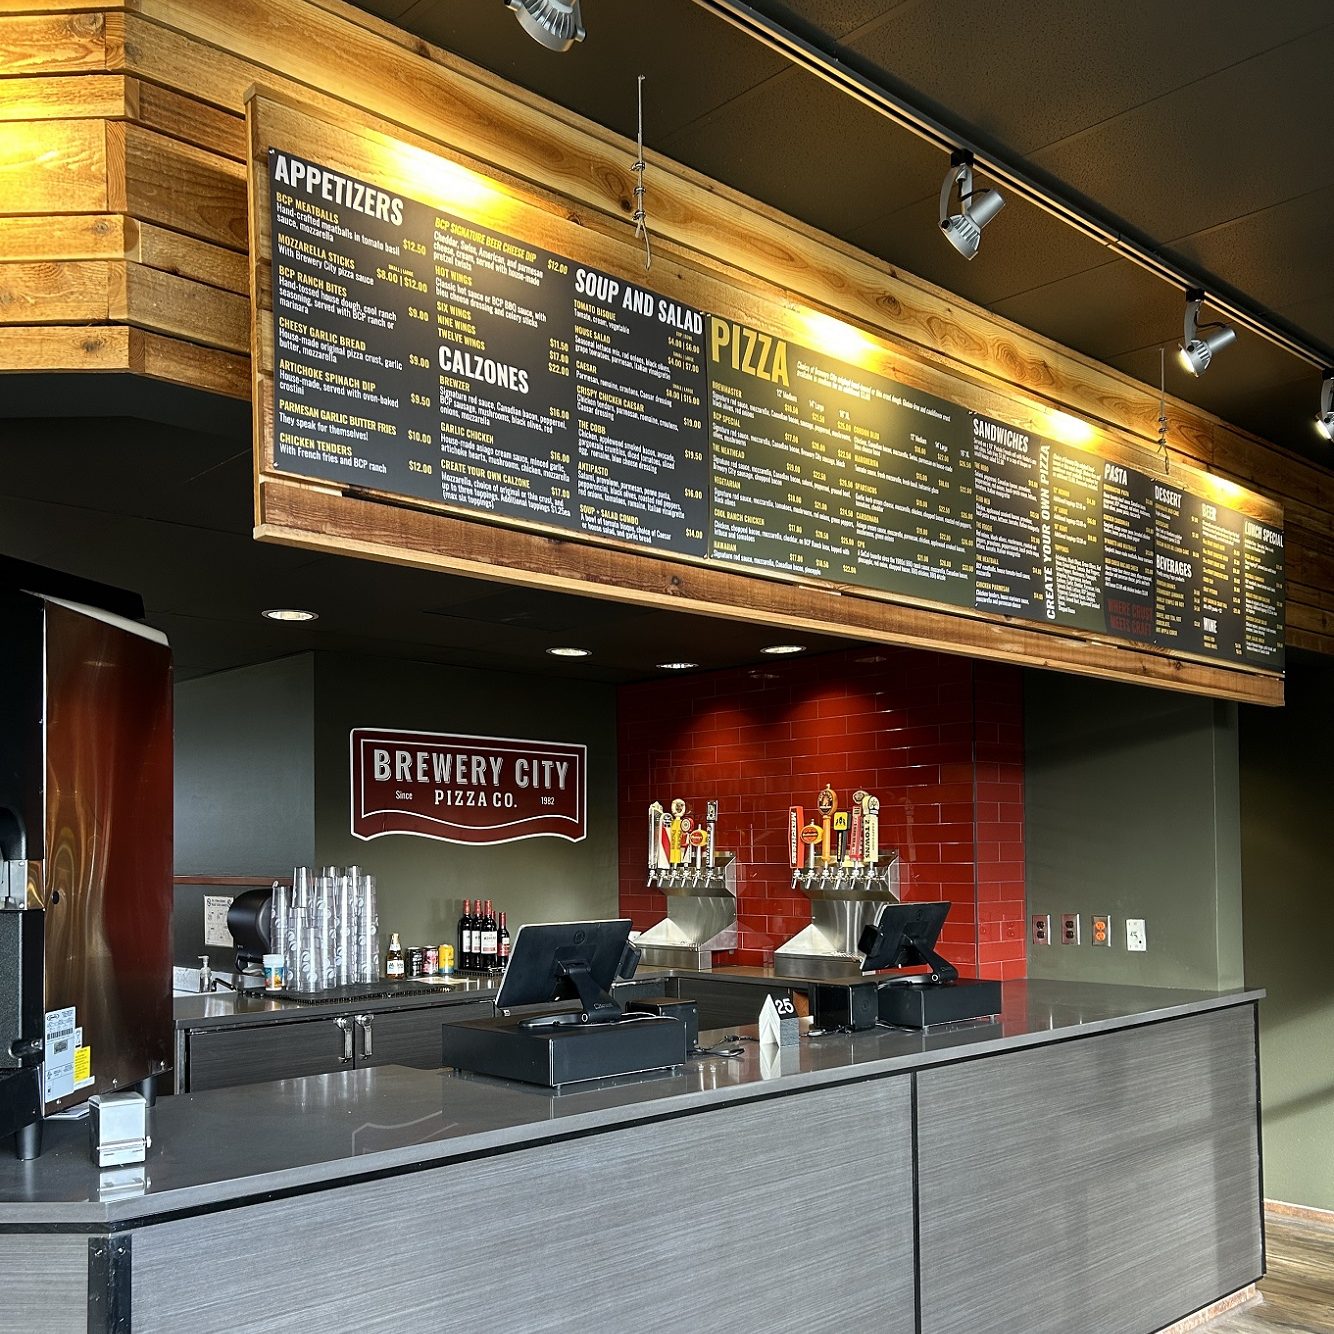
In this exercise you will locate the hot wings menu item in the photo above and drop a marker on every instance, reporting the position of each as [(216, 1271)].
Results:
[(427, 356)]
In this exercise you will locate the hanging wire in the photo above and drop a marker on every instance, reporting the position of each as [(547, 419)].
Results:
[(639, 217), (1162, 411)]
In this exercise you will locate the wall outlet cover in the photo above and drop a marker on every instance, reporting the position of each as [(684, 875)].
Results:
[(1042, 928), (1069, 928), (1136, 938), (1100, 930)]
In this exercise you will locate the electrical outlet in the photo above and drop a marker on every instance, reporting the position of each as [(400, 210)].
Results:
[(1136, 939), (1100, 930), (1069, 928), (1042, 928)]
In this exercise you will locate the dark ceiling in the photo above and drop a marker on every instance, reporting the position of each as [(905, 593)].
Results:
[(1203, 131)]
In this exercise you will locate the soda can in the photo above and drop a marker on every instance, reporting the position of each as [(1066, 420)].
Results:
[(446, 958), (432, 961), (416, 961)]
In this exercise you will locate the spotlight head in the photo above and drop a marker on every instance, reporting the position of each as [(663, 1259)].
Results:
[(1195, 353), (1324, 422), (963, 227), (556, 24)]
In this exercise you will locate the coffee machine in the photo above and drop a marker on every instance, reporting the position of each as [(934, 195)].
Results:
[(86, 842)]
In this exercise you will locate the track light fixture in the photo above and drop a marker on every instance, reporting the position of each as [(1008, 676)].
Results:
[(556, 24), (1324, 422), (976, 207), (1195, 352)]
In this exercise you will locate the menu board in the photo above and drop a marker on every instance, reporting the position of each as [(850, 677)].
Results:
[(424, 355)]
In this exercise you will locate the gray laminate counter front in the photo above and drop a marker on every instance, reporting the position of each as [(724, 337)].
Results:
[(1090, 1161)]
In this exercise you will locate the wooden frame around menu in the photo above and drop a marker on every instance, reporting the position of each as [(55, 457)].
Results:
[(302, 512)]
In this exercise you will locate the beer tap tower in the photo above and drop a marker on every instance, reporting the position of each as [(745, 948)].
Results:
[(848, 884), (700, 885)]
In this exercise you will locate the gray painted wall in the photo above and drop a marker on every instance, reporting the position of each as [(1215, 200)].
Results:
[(1132, 810), (1286, 859), (422, 881), (245, 770)]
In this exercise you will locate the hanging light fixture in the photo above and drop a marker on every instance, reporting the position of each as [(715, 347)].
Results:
[(1195, 352), (556, 24), (963, 229), (1324, 422)]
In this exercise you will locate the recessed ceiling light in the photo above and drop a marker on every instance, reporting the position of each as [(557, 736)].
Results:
[(290, 614), (570, 652), (677, 666), (778, 649)]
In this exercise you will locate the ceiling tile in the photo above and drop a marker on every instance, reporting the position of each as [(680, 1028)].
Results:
[(1035, 73), (1245, 139), (782, 143)]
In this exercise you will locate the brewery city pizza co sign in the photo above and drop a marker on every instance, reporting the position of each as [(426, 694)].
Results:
[(466, 789)]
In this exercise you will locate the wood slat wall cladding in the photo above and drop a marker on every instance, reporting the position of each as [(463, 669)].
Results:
[(124, 238)]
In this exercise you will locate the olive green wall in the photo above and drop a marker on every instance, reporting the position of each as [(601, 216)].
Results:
[(1287, 805), (1132, 809), (245, 770), (421, 881)]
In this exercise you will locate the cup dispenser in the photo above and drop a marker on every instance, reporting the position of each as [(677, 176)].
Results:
[(700, 887)]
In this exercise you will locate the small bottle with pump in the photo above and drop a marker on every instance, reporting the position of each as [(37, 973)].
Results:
[(393, 964)]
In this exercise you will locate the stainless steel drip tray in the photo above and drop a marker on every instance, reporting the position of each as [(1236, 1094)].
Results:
[(354, 992)]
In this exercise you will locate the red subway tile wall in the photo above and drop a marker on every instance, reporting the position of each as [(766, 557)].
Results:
[(938, 739)]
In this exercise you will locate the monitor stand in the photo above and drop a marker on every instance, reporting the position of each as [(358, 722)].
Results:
[(597, 1006)]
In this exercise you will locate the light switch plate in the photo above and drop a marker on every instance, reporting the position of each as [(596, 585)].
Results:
[(1100, 930), (1041, 928), (1069, 928), (1136, 938)]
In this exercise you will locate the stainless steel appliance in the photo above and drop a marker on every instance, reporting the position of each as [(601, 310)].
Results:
[(86, 836), (844, 901)]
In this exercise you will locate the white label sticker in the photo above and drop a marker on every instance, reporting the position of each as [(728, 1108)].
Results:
[(215, 921), (58, 1068)]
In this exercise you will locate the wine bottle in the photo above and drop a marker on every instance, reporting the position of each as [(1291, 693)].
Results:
[(503, 941), (490, 951), (393, 964), (465, 935)]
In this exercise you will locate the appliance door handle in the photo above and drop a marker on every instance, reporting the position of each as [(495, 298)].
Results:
[(345, 1024), (364, 1022)]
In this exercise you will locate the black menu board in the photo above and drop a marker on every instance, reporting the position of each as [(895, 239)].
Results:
[(781, 432), (914, 493), (1127, 552), (1008, 561), (1262, 553), (428, 356), (1072, 536)]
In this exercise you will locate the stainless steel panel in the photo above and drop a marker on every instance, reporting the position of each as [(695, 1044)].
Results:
[(106, 881), (769, 1216), (1109, 1183)]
